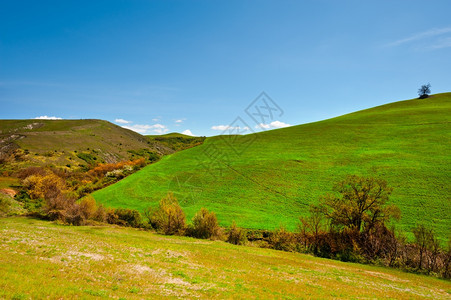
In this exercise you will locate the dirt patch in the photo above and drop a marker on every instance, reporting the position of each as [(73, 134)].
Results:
[(92, 256), (8, 192), (386, 276)]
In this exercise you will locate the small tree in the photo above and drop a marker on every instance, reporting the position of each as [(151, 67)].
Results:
[(360, 203), (311, 228), (424, 91), (423, 238), (169, 217)]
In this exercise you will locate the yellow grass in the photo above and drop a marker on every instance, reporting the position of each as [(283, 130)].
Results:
[(39, 259)]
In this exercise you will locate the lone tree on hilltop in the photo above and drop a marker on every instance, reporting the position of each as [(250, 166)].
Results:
[(424, 91)]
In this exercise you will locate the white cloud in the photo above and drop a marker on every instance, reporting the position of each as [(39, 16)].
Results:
[(179, 122), (420, 36), (156, 119), (262, 126), (148, 129), (442, 43), (188, 132), (48, 118), (272, 125), (122, 121), (225, 127)]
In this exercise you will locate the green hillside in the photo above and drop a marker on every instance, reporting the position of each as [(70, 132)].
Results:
[(268, 179), (61, 142), (71, 262)]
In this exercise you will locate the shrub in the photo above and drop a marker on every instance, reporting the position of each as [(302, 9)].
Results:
[(33, 206), (281, 239), (64, 210), (236, 235), (112, 217), (5, 205), (205, 225), (129, 217), (169, 217), (47, 186), (101, 214), (88, 207)]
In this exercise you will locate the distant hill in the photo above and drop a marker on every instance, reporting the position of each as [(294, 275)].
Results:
[(176, 141), (269, 178), (69, 143)]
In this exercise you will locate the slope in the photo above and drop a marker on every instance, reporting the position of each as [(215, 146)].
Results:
[(122, 263), (268, 179), (60, 142)]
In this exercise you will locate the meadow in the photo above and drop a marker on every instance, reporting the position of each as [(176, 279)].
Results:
[(39, 259), (268, 179)]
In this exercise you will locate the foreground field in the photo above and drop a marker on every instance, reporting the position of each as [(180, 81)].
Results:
[(39, 259), (268, 179)]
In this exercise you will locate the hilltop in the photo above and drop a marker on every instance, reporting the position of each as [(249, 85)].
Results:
[(70, 143), (277, 174), (176, 141)]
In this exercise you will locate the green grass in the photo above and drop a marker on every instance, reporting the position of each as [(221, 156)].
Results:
[(39, 259), (278, 173)]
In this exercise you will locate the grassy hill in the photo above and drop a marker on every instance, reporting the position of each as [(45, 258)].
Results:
[(63, 142), (109, 262), (176, 141), (268, 179)]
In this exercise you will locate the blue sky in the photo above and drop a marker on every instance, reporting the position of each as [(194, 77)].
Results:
[(164, 66)]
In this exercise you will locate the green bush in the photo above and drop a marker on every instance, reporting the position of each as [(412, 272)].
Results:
[(5, 205)]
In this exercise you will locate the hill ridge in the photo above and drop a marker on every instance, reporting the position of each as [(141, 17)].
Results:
[(405, 142)]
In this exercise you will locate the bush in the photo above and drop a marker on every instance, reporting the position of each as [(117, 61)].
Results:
[(205, 225), (88, 207), (236, 235), (281, 239), (33, 206), (5, 205), (47, 186), (101, 214), (128, 217), (169, 217)]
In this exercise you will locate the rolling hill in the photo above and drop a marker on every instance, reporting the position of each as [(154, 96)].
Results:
[(176, 141), (268, 179), (61, 142), (122, 263)]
